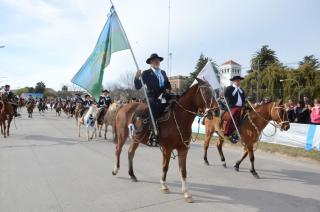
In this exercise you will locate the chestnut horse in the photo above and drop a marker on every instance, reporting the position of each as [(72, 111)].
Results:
[(30, 106), (6, 116), (250, 130), (174, 131)]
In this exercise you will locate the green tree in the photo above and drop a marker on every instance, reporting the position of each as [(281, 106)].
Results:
[(21, 90), (64, 88), (40, 87), (263, 58), (310, 60), (202, 61)]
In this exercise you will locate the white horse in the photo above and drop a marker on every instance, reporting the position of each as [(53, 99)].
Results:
[(89, 120)]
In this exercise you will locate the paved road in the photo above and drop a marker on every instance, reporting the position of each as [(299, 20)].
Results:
[(45, 167)]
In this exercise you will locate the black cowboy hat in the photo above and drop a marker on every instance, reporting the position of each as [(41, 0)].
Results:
[(236, 78), (105, 90), (87, 95), (7, 86), (153, 56)]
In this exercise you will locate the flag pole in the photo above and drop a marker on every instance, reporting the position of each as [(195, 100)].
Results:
[(155, 130)]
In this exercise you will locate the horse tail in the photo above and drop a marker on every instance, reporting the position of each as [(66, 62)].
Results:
[(114, 127)]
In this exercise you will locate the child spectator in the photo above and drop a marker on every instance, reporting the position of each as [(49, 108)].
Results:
[(315, 112)]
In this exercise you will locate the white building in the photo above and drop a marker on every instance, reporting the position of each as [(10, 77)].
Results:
[(228, 70)]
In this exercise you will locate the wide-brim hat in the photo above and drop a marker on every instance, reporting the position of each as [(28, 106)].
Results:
[(153, 56), (105, 90), (7, 86), (236, 78), (87, 95)]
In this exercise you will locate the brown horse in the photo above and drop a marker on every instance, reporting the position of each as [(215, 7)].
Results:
[(174, 131), (250, 130), (6, 116), (58, 107), (30, 106)]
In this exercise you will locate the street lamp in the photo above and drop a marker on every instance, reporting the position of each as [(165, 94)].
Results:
[(296, 81)]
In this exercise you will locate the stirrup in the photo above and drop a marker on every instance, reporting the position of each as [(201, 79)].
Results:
[(153, 140), (234, 138)]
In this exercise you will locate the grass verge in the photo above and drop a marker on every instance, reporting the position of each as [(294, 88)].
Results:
[(274, 148)]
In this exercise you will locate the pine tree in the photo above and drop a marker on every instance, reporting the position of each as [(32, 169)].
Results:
[(202, 61)]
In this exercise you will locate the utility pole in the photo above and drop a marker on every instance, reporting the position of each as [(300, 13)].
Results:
[(169, 53), (257, 97)]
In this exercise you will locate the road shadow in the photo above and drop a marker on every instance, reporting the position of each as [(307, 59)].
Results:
[(306, 177), (262, 200)]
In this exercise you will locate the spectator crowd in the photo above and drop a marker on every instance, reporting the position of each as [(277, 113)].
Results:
[(304, 111)]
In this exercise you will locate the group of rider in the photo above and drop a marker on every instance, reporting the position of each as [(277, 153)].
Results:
[(158, 90)]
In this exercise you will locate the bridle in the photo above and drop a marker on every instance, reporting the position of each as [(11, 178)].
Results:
[(204, 113), (275, 124)]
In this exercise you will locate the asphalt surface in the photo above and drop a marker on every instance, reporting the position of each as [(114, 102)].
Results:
[(44, 166)]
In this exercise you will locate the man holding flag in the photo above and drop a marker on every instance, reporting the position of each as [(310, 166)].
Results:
[(235, 98), (113, 39), (158, 88)]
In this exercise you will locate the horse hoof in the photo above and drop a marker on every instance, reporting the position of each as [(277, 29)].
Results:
[(224, 165), (236, 168), (165, 190), (134, 179), (115, 171), (188, 198), (255, 174), (206, 162)]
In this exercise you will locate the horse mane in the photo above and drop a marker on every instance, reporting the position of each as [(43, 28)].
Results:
[(257, 107)]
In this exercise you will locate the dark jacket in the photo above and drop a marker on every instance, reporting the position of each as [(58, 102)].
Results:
[(87, 103), (152, 82), (104, 101), (232, 100), (302, 115)]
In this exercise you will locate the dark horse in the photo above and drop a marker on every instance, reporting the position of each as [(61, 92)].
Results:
[(42, 107), (174, 131), (250, 129), (6, 115)]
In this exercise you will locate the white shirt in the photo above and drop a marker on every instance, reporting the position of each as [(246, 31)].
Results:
[(237, 90)]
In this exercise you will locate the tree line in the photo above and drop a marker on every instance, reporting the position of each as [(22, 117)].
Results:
[(269, 77)]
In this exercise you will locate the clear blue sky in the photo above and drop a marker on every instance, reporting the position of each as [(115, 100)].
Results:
[(49, 40)]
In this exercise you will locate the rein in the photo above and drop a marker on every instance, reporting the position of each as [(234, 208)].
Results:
[(274, 124), (187, 142)]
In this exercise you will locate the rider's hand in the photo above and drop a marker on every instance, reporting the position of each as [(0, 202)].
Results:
[(138, 74)]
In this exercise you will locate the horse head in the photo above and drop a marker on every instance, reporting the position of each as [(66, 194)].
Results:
[(204, 99), (279, 114)]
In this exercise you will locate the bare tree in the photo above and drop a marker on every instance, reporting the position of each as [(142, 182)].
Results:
[(126, 80)]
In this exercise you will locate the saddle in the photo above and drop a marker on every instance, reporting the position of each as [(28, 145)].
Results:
[(140, 120)]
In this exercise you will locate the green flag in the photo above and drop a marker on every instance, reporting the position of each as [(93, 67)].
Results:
[(112, 39)]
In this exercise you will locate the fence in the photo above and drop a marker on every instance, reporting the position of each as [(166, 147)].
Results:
[(305, 136)]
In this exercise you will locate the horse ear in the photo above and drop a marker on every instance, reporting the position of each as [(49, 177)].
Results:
[(200, 81), (280, 101)]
